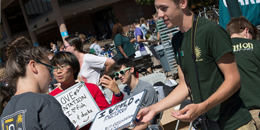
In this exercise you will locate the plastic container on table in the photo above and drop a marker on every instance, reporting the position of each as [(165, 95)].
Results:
[(162, 57)]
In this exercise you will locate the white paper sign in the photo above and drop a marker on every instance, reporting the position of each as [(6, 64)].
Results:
[(119, 115), (78, 104)]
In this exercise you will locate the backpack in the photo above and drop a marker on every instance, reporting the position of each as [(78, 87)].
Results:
[(92, 51)]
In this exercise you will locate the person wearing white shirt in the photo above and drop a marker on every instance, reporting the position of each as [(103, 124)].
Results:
[(90, 65)]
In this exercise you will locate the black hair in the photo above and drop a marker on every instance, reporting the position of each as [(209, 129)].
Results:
[(126, 62), (66, 58)]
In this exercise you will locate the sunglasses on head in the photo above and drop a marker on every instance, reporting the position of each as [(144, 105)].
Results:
[(121, 72), (248, 31)]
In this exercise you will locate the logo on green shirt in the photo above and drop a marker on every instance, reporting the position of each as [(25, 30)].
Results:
[(198, 53), (243, 47)]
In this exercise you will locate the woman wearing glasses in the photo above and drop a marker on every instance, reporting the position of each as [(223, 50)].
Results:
[(65, 70), (90, 65), (28, 69)]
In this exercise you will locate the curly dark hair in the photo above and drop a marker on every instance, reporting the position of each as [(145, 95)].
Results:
[(117, 28)]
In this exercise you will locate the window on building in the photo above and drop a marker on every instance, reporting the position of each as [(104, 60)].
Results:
[(15, 19), (65, 2), (35, 8)]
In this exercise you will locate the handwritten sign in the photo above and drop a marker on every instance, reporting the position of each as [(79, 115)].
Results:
[(78, 104), (119, 115)]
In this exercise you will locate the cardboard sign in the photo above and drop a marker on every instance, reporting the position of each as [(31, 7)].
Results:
[(78, 104), (120, 115)]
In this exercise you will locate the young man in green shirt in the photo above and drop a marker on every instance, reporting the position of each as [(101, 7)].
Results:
[(247, 53), (217, 70)]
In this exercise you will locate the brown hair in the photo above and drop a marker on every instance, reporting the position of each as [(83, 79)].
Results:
[(188, 4), (2, 73), (75, 41), (92, 40), (59, 44), (50, 53), (117, 29), (127, 63), (237, 25), (82, 36), (6, 95), (142, 20), (18, 52)]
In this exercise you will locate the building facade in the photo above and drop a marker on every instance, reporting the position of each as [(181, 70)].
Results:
[(45, 21)]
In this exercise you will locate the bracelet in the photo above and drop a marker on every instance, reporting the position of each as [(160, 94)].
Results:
[(119, 94)]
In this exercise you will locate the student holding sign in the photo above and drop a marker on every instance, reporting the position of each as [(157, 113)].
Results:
[(29, 70), (66, 68), (126, 72)]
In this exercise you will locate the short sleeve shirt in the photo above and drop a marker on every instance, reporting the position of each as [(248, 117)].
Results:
[(97, 48), (34, 111), (150, 97), (91, 67), (125, 43), (138, 32), (247, 54), (211, 43)]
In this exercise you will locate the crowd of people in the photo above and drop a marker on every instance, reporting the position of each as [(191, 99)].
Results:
[(217, 68)]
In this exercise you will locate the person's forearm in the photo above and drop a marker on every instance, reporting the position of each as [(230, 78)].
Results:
[(142, 127), (109, 66), (108, 69), (226, 90), (141, 40), (177, 96), (122, 51), (132, 40), (146, 27)]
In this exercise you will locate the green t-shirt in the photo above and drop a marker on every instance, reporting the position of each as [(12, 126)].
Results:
[(125, 43), (247, 54), (211, 43)]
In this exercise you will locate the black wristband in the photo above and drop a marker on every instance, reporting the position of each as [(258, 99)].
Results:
[(120, 94)]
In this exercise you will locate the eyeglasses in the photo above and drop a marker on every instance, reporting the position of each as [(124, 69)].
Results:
[(66, 46), (62, 67), (50, 70), (121, 72), (248, 31)]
